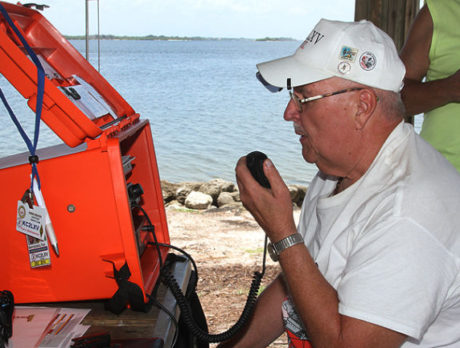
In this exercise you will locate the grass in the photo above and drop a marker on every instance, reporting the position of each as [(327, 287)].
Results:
[(187, 210), (255, 251)]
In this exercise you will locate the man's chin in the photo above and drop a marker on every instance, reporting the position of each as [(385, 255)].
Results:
[(307, 156)]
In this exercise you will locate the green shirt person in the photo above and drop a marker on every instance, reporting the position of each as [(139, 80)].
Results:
[(431, 55)]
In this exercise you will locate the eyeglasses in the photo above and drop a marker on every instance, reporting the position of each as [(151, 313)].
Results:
[(298, 102)]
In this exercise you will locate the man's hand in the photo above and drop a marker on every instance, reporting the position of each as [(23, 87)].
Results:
[(271, 208)]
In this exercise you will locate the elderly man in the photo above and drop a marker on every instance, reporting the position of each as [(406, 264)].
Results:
[(375, 259)]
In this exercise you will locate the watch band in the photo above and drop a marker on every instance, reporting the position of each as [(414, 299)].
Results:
[(275, 249)]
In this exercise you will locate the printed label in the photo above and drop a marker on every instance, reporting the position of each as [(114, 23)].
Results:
[(31, 221), (313, 38), (39, 252), (344, 67), (348, 53), (367, 61)]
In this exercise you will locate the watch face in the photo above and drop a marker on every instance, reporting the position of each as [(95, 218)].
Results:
[(272, 252)]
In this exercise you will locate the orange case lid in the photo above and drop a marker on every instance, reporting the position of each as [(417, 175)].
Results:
[(65, 68)]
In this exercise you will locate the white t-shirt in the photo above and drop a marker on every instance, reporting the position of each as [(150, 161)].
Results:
[(390, 243)]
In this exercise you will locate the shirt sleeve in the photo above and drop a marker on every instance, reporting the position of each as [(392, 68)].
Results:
[(397, 276)]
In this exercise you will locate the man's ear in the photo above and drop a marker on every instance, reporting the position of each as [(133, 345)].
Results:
[(367, 103)]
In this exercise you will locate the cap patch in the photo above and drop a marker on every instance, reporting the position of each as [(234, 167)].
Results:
[(367, 61), (344, 68), (348, 53)]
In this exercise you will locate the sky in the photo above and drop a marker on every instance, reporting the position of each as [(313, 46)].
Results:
[(206, 18)]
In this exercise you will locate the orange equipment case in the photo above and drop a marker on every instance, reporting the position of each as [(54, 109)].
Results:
[(84, 181)]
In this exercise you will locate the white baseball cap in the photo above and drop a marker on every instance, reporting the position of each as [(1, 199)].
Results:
[(356, 51)]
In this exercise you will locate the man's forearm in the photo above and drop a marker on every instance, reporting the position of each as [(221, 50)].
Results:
[(315, 300), (266, 324), (317, 303)]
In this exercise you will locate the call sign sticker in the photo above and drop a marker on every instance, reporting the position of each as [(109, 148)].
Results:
[(31, 221), (39, 253)]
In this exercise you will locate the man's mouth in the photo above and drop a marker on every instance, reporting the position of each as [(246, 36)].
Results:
[(299, 130)]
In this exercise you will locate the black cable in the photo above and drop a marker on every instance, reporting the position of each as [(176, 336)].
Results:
[(264, 257), (186, 312), (153, 233), (170, 315), (187, 255)]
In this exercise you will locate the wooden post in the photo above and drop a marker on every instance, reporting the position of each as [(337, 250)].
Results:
[(394, 17)]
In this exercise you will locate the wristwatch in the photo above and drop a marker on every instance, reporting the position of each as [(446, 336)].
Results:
[(275, 249)]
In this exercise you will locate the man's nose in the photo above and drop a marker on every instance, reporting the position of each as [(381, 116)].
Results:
[(291, 113)]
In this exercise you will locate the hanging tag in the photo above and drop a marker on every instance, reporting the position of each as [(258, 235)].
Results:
[(31, 221), (39, 253)]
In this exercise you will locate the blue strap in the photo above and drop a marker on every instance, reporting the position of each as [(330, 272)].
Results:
[(33, 159)]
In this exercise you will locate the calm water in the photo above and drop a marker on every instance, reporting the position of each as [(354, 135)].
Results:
[(204, 103)]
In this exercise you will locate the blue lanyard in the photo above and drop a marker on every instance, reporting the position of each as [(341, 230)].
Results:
[(33, 158)]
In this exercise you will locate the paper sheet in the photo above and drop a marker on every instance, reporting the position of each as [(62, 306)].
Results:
[(28, 325), (90, 102), (46, 327)]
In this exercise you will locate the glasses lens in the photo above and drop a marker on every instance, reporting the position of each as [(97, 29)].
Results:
[(296, 101)]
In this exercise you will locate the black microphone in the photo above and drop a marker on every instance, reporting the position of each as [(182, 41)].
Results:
[(255, 161)]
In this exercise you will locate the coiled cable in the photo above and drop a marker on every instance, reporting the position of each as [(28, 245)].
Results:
[(202, 335), (168, 278)]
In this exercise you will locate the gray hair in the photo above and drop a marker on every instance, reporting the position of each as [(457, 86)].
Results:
[(391, 104)]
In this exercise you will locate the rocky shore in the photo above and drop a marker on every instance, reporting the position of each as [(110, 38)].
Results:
[(214, 194)]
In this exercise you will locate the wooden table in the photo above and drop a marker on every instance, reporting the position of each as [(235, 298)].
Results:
[(135, 325)]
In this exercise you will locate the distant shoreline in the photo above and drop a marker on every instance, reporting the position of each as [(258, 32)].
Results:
[(169, 38)]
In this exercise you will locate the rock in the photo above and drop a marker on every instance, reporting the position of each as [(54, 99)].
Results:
[(235, 207), (177, 193), (184, 190), (225, 186), (174, 204), (225, 198), (294, 192), (236, 196), (182, 193), (198, 200), (168, 191), (211, 189), (302, 191)]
